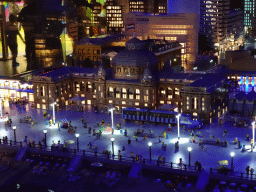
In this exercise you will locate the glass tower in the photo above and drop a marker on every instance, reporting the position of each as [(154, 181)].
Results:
[(249, 8)]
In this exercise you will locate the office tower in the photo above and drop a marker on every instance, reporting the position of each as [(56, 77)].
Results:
[(114, 16), (213, 20), (148, 6), (249, 13), (181, 27)]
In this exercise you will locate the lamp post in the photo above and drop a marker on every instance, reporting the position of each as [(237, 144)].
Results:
[(150, 144), (189, 150), (178, 123), (14, 129), (232, 154), (112, 116), (53, 111), (112, 140), (45, 131), (253, 133), (77, 141)]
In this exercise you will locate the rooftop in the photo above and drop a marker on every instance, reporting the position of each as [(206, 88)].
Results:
[(207, 80)]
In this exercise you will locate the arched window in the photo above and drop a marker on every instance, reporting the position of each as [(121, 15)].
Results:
[(82, 86), (41, 91)]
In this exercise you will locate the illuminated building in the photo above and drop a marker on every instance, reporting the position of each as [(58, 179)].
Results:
[(148, 6), (213, 20), (114, 16), (16, 89), (92, 48), (249, 13), (174, 27), (133, 81)]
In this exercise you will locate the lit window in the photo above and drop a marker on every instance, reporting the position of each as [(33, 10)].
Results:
[(146, 98), (145, 104), (137, 97), (163, 91), (118, 95), (161, 102), (137, 104), (123, 103), (124, 96), (123, 90), (131, 96), (111, 89), (110, 101), (137, 91)]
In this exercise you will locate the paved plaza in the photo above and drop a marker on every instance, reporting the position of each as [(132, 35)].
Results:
[(208, 157)]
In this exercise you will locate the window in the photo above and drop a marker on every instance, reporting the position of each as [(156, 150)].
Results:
[(203, 107), (146, 92), (161, 102), (110, 101), (137, 97), (145, 104), (131, 96), (123, 103), (124, 95), (145, 98), (118, 95), (137, 104), (123, 90), (137, 91), (99, 88), (111, 89)]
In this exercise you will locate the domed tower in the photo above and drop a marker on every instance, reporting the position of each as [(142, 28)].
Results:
[(131, 63), (147, 77)]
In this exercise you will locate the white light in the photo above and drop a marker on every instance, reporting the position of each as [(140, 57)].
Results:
[(189, 149), (211, 61), (14, 127), (232, 154), (53, 103), (177, 116), (112, 139), (149, 144), (77, 134), (45, 131)]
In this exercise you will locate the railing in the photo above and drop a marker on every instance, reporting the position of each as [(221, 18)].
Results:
[(131, 159)]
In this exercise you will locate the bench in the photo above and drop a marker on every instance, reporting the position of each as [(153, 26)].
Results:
[(211, 142)]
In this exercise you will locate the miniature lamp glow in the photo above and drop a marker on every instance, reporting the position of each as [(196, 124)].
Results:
[(14, 127), (178, 126), (149, 144), (112, 139), (53, 111), (189, 149), (232, 154), (45, 131), (77, 134)]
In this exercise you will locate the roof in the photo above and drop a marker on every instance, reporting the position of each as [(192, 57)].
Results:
[(68, 70), (135, 58), (251, 96), (207, 80), (240, 96), (135, 109), (125, 80), (134, 40), (164, 111), (100, 40)]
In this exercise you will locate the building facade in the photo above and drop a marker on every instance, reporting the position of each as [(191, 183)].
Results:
[(213, 20), (133, 81), (249, 13), (172, 27)]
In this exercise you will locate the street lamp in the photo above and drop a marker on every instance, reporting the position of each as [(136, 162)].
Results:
[(77, 135), (53, 111), (112, 116), (14, 129), (232, 154), (178, 117), (45, 131), (150, 144), (189, 150), (112, 140), (253, 133)]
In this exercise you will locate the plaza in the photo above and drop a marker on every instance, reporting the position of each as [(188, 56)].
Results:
[(208, 157)]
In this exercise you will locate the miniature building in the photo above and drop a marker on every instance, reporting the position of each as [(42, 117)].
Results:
[(133, 81)]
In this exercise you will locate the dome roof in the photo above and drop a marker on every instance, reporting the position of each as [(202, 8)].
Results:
[(134, 40), (136, 58)]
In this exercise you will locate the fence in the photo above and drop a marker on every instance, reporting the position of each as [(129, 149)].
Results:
[(131, 159)]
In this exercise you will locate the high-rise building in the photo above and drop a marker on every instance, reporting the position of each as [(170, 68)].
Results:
[(114, 16), (249, 13), (181, 27), (213, 20), (148, 6)]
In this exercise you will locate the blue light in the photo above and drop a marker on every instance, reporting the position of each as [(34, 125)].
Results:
[(241, 80), (253, 81), (247, 84)]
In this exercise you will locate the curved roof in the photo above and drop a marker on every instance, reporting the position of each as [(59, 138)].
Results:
[(134, 40), (136, 58)]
